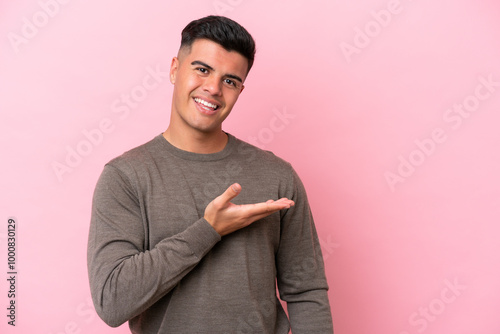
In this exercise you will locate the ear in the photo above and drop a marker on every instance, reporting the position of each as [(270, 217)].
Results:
[(174, 67), (242, 87)]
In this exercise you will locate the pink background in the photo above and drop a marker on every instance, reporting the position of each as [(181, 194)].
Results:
[(389, 120)]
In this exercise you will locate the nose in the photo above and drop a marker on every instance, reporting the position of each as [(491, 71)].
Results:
[(212, 85)]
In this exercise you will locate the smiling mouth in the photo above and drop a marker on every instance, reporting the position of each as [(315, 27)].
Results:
[(205, 105)]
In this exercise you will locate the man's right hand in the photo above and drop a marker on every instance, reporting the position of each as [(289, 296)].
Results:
[(226, 217)]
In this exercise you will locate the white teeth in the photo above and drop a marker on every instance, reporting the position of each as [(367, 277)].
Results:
[(205, 103)]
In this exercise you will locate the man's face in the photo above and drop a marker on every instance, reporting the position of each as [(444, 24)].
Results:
[(207, 82)]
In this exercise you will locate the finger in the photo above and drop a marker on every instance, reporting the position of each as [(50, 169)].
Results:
[(279, 205), (286, 200), (265, 209), (256, 217), (289, 203), (229, 194)]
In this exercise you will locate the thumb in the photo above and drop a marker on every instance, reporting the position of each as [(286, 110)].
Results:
[(230, 193)]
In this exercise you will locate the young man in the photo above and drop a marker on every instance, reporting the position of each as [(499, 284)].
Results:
[(191, 232)]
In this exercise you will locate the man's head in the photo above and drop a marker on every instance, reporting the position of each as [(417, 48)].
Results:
[(208, 74), (223, 31)]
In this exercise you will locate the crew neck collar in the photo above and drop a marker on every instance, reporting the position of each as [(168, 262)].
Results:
[(186, 155)]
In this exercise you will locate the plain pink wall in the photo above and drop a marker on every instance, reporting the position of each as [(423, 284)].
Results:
[(389, 111)]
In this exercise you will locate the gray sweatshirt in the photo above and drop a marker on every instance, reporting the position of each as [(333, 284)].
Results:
[(154, 261)]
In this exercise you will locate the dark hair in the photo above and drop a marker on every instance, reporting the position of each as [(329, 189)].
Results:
[(221, 30)]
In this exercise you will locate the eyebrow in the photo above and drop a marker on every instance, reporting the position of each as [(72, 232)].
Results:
[(232, 76)]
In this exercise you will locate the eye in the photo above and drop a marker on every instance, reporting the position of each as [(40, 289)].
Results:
[(202, 70), (230, 82)]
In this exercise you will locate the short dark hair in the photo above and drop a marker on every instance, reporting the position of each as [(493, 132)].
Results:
[(223, 31)]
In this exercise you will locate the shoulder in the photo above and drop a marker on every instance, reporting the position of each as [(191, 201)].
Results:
[(135, 160), (265, 165), (137, 155), (267, 170), (254, 155)]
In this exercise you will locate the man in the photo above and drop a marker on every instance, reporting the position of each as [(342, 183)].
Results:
[(191, 232)]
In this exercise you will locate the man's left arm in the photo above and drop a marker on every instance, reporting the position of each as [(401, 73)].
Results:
[(301, 275)]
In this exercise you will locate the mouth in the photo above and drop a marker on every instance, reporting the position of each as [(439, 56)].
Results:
[(205, 106)]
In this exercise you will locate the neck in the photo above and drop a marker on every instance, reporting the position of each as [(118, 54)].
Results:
[(203, 143)]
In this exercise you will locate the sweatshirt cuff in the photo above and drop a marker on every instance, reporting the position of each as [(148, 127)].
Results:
[(202, 237)]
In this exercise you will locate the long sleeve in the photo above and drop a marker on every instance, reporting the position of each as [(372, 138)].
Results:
[(125, 276), (301, 276)]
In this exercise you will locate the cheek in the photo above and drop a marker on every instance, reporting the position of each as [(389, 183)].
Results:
[(231, 97), (186, 84), (192, 82)]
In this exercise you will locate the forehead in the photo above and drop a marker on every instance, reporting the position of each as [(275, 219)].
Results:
[(221, 60)]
